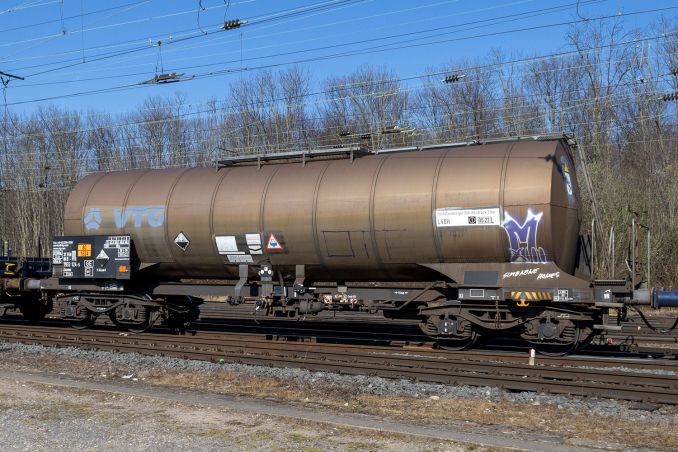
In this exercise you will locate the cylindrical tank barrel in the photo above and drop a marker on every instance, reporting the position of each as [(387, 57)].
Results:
[(373, 218)]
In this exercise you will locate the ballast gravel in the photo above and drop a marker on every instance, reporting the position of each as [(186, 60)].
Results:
[(37, 416), (358, 383), (41, 417)]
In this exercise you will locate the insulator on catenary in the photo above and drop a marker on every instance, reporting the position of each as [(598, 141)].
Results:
[(453, 78), (232, 24)]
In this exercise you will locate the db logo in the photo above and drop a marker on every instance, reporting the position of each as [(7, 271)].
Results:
[(472, 220)]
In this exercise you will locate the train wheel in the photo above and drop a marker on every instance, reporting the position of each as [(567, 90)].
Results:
[(139, 325), (180, 312), (450, 332), (458, 344), (84, 322), (553, 349), (554, 338), (33, 308), (33, 312), (139, 328)]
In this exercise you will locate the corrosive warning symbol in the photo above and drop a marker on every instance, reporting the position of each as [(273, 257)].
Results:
[(272, 244), (182, 241)]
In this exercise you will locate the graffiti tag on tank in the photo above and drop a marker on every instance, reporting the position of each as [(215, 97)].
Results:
[(566, 176), (531, 272), (523, 237), (132, 216), (524, 272)]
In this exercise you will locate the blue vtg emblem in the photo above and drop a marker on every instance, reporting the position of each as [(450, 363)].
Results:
[(133, 216), (92, 218)]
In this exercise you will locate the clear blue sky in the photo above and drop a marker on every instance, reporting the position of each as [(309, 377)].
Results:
[(46, 41)]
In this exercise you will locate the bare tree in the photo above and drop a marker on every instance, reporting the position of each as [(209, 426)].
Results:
[(365, 106)]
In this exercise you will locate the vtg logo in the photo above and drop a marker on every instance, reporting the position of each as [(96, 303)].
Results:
[(133, 216), (92, 219)]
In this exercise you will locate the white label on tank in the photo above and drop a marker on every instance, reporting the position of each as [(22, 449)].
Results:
[(240, 259), (226, 244), (448, 217), (253, 243)]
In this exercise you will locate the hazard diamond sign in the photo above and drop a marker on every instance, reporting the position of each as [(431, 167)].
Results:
[(273, 244)]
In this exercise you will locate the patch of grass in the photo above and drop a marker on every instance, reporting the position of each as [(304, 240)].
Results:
[(4, 406), (56, 411), (216, 433), (260, 436), (118, 419), (298, 437), (221, 382), (361, 447)]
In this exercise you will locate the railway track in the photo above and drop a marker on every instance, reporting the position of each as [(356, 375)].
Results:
[(635, 339), (370, 329), (574, 375)]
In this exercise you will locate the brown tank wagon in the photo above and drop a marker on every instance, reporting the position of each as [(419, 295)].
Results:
[(388, 216), (473, 239)]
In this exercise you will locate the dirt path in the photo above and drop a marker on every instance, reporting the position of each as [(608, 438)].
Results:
[(134, 413)]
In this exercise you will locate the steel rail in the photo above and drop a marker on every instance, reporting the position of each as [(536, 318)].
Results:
[(433, 367), (382, 334)]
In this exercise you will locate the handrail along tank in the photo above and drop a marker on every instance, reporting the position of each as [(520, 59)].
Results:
[(406, 215)]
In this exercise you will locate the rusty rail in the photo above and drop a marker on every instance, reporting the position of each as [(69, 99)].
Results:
[(551, 375)]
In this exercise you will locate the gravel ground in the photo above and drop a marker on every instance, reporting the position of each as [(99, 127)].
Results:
[(359, 383), (31, 418), (40, 418)]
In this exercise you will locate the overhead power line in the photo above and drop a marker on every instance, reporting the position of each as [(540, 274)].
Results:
[(137, 152), (368, 50), (27, 5), (77, 16), (10, 76), (298, 29), (454, 27), (484, 70), (530, 114)]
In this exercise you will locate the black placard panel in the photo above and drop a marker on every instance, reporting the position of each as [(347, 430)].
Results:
[(93, 256)]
